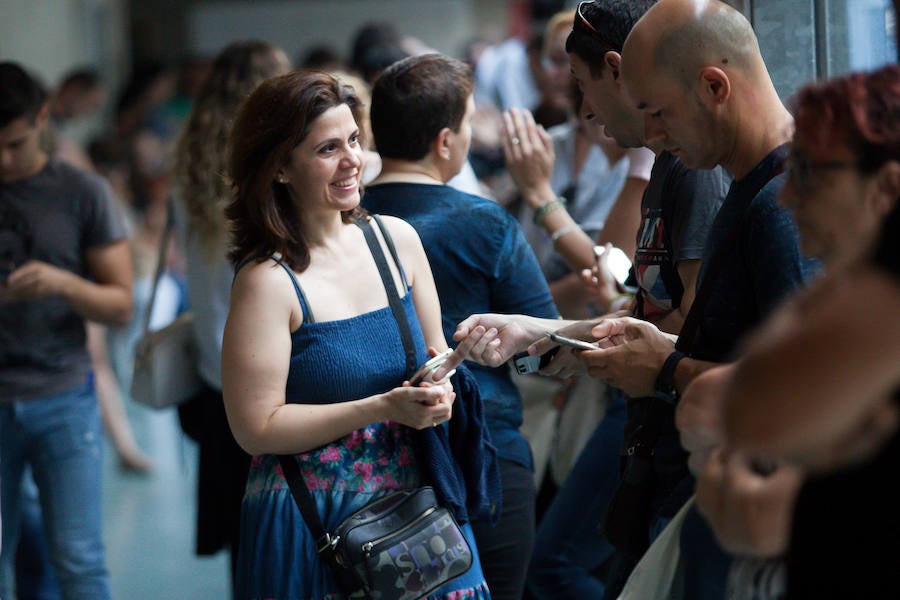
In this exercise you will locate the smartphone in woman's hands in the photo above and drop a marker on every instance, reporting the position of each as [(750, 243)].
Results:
[(430, 366)]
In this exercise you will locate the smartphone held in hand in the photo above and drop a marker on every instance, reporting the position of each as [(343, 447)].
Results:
[(563, 340), (429, 367), (618, 262)]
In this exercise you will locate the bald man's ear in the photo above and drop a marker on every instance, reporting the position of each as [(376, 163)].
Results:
[(613, 61), (715, 84)]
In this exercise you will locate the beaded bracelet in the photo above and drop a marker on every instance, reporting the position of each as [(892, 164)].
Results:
[(544, 209)]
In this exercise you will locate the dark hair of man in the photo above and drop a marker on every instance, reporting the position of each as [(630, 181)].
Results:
[(371, 35), (378, 58), (273, 121), (320, 57), (21, 95), (612, 21), (859, 112), (414, 99)]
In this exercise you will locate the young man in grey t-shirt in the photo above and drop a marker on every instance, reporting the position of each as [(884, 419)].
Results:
[(64, 259)]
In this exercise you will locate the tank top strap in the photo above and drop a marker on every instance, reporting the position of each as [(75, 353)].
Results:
[(304, 303), (301, 297)]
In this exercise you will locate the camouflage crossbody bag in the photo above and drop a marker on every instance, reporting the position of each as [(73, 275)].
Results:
[(400, 547)]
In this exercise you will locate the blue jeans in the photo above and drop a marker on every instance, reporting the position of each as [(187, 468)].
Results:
[(59, 436), (570, 546), (35, 579)]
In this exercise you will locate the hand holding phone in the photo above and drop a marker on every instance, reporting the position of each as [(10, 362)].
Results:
[(571, 342), (430, 365), (616, 261)]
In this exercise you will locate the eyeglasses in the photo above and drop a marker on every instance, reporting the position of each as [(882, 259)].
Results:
[(583, 20), (800, 170)]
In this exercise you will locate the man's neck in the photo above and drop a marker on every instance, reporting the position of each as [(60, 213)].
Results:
[(404, 171), (759, 128), (38, 166)]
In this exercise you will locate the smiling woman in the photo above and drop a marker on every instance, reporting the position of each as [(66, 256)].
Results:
[(311, 387), (326, 166)]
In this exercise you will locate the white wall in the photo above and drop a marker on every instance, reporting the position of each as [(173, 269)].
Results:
[(52, 36), (294, 26)]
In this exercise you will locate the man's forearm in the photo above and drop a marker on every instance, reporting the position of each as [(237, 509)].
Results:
[(689, 368), (106, 304), (537, 327)]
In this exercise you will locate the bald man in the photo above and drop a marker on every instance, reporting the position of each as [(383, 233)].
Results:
[(694, 69)]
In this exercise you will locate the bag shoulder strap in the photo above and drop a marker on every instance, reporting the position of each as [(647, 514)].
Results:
[(325, 542), (390, 288), (160, 261), (389, 241), (304, 500)]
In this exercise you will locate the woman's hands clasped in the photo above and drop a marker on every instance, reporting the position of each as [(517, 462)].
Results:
[(429, 403)]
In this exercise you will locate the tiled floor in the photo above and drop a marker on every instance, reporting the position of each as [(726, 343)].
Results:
[(149, 519)]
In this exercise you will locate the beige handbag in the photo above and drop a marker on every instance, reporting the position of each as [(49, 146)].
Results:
[(658, 575), (165, 361)]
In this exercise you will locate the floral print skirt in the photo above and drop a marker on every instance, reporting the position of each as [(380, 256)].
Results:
[(277, 558)]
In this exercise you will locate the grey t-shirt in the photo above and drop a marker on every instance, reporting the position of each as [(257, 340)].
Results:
[(677, 210), (53, 217)]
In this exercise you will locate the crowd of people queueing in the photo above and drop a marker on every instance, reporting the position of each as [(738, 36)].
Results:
[(341, 224)]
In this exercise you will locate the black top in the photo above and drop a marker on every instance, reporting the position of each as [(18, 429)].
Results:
[(887, 254), (846, 537)]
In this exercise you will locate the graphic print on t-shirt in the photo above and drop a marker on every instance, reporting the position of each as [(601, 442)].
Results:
[(651, 257)]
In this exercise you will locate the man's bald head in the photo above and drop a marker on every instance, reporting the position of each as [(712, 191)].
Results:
[(694, 69), (677, 38)]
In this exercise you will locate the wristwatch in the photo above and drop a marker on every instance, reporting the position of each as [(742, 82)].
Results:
[(664, 387)]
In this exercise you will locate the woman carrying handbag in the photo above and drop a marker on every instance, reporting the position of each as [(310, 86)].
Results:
[(314, 363)]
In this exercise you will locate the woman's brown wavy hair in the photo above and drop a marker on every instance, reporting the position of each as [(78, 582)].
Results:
[(273, 120), (200, 157)]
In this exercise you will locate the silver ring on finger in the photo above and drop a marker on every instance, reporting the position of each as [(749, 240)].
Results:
[(514, 141)]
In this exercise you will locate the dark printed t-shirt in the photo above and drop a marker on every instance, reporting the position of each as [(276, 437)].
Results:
[(677, 210), (53, 217)]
